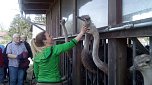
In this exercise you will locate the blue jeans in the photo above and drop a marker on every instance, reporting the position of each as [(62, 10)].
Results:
[(1, 75), (16, 75)]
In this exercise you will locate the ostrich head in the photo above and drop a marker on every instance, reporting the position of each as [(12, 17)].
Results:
[(87, 22), (142, 62), (62, 22)]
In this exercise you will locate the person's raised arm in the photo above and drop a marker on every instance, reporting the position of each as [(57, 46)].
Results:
[(69, 45)]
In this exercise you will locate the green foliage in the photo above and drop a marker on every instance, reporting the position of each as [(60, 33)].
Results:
[(6, 39), (20, 26)]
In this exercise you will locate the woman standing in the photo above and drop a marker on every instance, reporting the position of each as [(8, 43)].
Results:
[(46, 57)]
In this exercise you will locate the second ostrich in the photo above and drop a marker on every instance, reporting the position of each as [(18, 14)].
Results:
[(143, 63)]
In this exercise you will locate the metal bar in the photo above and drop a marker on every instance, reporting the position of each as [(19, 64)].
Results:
[(86, 75), (32, 23), (127, 25), (134, 54), (66, 61), (125, 30), (98, 76), (150, 48), (63, 65), (105, 55)]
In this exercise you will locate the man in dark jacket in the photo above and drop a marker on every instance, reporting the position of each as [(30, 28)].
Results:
[(28, 47), (1, 64)]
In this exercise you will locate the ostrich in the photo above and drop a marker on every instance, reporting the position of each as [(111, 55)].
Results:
[(86, 55), (94, 32), (65, 33), (143, 63)]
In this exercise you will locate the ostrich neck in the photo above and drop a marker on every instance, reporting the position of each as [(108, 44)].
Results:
[(100, 64), (147, 74), (86, 42), (65, 32), (95, 43)]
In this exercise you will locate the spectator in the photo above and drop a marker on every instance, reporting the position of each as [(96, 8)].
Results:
[(16, 52), (1, 64), (28, 47), (6, 73)]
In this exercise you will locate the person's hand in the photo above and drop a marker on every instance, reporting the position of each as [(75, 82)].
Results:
[(23, 55), (84, 29)]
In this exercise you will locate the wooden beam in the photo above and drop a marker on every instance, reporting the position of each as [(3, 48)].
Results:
[(76, 78), (35, 6), (38, 0), (32, 2), (35, 12), (76, 66), (35, 9), (135, 32), (114, 12), (117, 64)]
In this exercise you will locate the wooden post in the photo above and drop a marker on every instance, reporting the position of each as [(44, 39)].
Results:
[(117, 61), (76, 67)]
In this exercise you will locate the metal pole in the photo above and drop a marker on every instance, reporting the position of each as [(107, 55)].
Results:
[(134, 54), (32, 23)]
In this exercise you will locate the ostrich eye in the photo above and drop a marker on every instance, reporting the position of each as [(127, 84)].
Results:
[(87, 19), (147, 62)]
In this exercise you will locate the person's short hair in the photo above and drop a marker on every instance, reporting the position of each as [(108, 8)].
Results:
[(39, 39), (23, 36), (16, 35)]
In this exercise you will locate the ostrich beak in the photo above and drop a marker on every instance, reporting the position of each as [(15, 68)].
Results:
[(80, 18), (63, 20), (132, 68)]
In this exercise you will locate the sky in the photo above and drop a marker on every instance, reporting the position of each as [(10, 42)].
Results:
[(8, 9)]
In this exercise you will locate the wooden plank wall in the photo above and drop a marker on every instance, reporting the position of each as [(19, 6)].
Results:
[(53, 17)]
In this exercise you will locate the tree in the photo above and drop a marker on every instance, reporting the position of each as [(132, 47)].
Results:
[(4, 38), (20, 26)]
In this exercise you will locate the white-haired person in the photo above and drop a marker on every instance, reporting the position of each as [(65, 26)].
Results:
[(16, 52)]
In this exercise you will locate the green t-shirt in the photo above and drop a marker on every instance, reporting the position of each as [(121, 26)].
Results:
[(46, 63)]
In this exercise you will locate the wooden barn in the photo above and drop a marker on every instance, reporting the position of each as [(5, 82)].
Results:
[(120, 23)]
